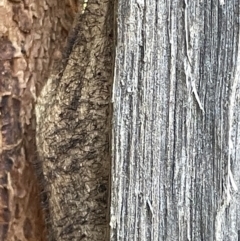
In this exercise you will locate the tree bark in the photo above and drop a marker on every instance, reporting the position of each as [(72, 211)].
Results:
[(176, 141), (32, 34), (73, 130)]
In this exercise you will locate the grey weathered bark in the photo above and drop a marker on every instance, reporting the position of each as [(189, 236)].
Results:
[(176, 141), (73, 130)]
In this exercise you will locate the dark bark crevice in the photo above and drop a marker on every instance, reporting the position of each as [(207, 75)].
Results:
[(73, 131)]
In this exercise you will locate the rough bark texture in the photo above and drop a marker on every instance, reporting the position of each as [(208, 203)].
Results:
[(73, 131), (176, 141), (28, 33)]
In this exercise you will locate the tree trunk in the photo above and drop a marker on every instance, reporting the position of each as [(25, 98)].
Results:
[(28, 48), (73, 131), (176, 141)]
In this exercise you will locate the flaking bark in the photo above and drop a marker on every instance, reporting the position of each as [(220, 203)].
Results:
[(32, 34)]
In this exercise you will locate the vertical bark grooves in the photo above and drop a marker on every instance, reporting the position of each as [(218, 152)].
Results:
[(73, 131), (28, 47), (175, 121)]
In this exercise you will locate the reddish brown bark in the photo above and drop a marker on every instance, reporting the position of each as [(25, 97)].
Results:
[(32, 34)]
